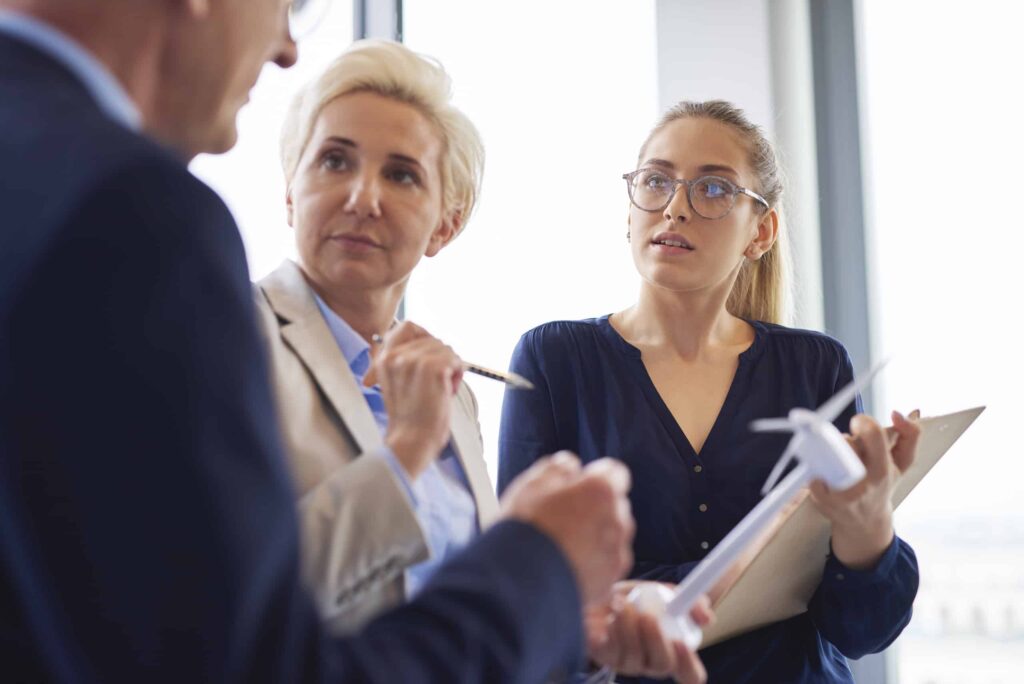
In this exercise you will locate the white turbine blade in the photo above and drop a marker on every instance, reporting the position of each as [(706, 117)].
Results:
[(772, 425), (780, 466), (831, 409)]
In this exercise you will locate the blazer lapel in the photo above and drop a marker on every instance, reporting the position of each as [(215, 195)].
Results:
[(466, 440), (306, 332)]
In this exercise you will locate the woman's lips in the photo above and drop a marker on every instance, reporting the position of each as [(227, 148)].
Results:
[(355, 243)]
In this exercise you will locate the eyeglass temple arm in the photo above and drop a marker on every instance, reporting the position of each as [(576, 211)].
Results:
[(754, 195)]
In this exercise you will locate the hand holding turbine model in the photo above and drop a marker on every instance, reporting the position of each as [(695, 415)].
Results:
[(821, 453)]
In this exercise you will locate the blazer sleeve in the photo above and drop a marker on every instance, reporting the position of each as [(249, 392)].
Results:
[(148, 516), (358, 525)]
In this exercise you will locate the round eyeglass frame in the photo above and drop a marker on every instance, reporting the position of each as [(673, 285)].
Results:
[(732, 188)]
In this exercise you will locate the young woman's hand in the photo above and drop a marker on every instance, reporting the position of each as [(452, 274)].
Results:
[(861, 516)]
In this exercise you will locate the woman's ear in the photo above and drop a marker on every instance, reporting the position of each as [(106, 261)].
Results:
[(445, 232), (289, 206), (767, 233)]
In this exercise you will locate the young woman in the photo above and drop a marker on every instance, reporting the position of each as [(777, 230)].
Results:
[(671, 384)]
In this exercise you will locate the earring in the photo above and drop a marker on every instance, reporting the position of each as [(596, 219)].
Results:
[(627, 236)]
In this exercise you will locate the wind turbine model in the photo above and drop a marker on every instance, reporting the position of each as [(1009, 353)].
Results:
[(821, 453)]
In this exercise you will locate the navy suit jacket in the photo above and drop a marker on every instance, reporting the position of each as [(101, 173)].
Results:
[(147, 530)]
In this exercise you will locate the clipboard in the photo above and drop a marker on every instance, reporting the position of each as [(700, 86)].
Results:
[(781, 579)]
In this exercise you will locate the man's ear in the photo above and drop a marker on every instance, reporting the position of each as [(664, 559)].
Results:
[(445, 232)]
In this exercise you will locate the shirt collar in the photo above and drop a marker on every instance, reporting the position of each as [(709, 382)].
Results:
[(108, 93), (353, 347)]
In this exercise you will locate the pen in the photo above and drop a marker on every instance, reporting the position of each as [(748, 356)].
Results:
[(513, 380)]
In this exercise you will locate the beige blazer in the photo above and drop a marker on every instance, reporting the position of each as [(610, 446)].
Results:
[(358, 529)]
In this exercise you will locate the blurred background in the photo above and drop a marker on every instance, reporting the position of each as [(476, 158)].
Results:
[(899, 124)]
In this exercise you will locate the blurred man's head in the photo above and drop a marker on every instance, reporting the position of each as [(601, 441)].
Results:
[(215, 52), (187, 64)]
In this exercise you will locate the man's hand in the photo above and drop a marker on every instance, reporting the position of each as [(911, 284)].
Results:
[(418, 376), (632, 643), (585, 511)]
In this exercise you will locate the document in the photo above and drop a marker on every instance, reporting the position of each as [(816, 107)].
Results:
[(783, 576)]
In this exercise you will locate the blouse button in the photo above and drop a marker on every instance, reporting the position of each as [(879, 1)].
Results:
[(702, 507), (704, 545), (840, 576), (697, 468)]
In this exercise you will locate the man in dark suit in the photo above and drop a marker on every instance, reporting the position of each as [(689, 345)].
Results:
[(147, 530)]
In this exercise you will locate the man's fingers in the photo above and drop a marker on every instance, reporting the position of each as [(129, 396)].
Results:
[(546, 474), (701, 612), (614, 472), (689, 669), (627, 633), (658, 655)]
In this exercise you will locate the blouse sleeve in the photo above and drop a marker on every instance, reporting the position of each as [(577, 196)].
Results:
[(863, 611), (527, 416)]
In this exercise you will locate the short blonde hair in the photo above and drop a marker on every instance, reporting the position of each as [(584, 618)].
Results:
[(761, 290), (392, 70)]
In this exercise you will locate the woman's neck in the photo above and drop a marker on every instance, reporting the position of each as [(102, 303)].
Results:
[(688, 323), (368, 311)]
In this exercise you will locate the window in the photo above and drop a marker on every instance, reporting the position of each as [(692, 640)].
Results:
[(562, 111), (943, 116)]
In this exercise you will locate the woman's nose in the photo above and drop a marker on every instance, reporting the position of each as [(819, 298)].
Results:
[(363, 198), (678, 208)]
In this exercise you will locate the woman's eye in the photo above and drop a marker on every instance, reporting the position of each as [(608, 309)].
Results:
[(714, 190), (403, 177), (334, 161), (656, 182)]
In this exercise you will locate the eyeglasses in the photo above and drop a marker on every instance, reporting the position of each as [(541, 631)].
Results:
[(710, 197), (305, 15)]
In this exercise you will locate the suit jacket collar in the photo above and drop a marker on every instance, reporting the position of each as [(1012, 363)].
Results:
[(304, 329), (104, 89)]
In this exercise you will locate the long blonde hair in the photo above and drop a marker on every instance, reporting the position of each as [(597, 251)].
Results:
[(762, 287)]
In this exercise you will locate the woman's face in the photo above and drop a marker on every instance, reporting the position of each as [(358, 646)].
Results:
[(713, 250), (365, 202)]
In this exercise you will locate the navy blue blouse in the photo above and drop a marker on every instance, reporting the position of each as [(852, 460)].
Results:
[(594, 397)]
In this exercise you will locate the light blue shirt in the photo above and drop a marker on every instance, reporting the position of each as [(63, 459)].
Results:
[(97, 79), (441, 497)]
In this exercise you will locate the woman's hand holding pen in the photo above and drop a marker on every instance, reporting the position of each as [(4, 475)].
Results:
[(418, 376), (862, 515)]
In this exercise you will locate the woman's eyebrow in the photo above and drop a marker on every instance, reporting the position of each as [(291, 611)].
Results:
[(341, 141), (718, 168), (406, 158), (659, 162)]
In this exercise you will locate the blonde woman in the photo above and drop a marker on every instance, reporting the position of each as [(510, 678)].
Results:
[(383, 440), (671, 384)]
